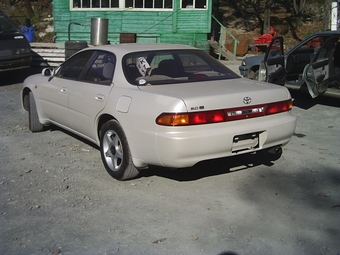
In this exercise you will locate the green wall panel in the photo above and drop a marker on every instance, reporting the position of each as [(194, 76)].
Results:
[(147, 22), (61, 4), (194, 22), (190, 27)]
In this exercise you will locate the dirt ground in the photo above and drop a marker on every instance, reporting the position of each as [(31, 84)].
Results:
[(56, 197)]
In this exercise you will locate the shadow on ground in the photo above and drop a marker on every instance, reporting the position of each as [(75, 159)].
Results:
[(9, 77), (214, 167), (304, 101)]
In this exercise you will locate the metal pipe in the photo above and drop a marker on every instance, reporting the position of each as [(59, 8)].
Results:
[(75, 23)]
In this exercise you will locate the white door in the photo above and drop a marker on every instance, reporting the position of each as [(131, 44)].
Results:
[(54, 94), (272, 67), (89, 96), (320, 72)]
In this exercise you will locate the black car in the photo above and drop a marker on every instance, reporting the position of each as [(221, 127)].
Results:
[(15, 51), (298, 67), (314, 65)]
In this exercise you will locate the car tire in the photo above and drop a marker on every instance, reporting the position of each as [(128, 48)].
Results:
[(33, 118), (256, 76), (115, 152)]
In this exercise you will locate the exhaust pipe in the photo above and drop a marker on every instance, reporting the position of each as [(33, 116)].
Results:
[(275, 150)]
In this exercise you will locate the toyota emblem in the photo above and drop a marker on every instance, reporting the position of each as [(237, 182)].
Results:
[(246, 100)]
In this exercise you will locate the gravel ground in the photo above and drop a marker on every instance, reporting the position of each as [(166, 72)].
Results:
[(56, 197)]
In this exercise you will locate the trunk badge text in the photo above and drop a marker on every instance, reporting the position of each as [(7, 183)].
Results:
[(194, 108)]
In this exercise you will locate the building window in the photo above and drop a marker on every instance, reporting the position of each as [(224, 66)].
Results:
[(194, 4), (142, 4), (149, 4), (95, 3)]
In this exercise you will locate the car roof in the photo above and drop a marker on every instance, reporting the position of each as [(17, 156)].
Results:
[(321, 33), (328, 32), (133, 47)]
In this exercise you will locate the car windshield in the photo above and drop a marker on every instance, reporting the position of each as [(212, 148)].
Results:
[(173, 66), (6, 25)]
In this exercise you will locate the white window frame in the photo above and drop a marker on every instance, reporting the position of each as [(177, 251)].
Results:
[(192, 7), (121, 6), (153, 5)]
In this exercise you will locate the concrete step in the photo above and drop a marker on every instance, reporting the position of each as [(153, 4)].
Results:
[(47, 54)]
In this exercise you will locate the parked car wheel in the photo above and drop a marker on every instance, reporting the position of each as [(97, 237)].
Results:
[(33, 118), (256, 75), (115, 152)]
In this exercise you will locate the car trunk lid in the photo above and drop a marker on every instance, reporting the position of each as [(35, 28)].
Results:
[(211, 95)]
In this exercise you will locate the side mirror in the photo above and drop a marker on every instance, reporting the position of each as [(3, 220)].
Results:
[(47, 72)]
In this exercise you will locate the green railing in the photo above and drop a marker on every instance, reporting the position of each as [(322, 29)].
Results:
[(220, 40)]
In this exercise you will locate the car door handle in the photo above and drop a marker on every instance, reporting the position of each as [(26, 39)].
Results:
[(99, 98), (63, 90)]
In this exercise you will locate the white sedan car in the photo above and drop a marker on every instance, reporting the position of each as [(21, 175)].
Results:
[(160, 105)]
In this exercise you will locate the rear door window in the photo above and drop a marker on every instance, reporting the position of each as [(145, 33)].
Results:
[(73, 68), (101, 68)]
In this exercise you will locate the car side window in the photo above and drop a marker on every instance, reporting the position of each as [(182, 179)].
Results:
[(101, 69), (337, 57), (326, 52), (159, 58), (312, 45), (73, 67)]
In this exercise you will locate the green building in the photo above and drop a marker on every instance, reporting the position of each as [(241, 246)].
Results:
[(143, 21)]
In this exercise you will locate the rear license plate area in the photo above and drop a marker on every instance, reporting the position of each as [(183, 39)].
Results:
[(245, 142)]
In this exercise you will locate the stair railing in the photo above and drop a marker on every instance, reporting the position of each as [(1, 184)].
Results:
[(220, 40)]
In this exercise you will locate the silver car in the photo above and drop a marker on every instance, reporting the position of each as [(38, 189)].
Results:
[(158, 105)]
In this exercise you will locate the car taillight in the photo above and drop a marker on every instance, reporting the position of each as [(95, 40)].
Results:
[(279, 107), (223, 115)]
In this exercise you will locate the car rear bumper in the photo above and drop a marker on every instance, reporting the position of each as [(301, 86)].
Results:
[(22, 61), (189, 145)]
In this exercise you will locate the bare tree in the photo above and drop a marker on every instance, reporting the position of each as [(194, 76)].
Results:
[(10, 5), (6, 6), (262, 11), (266, 19), (29, 8), (299, 6)]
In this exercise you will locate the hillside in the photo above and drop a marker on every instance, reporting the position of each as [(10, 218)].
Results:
[(243, 25), (292, 28)]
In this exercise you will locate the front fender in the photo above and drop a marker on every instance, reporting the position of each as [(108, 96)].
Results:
[(250, 65)]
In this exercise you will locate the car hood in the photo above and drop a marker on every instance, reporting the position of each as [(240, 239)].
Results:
[(252, 60), (221, 94)]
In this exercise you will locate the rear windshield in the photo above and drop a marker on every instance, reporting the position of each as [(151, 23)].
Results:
[(173, 66), (6, 25)]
